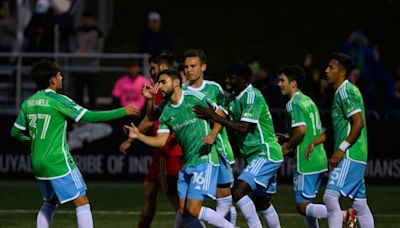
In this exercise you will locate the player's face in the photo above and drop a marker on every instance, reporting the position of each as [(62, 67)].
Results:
[(232, 83), (284, 85), (154, 71), (333, 71), (166, 86), (58, 81), (194, 69)]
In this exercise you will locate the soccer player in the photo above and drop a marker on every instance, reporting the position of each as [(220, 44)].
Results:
[(195, 65), (304, 125), (350, 145), (252, 122), (44, 115), (198, 177), (164, 169)]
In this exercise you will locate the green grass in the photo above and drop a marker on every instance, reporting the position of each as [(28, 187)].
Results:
[(119, 204)]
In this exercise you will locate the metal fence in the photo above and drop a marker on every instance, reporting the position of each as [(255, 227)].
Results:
[(15, 69)]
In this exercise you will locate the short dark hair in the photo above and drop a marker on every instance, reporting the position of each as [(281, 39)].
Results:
[(294, 73), (173, 74), (345, 61), (196, 53), (241, 69), (165, 57), (42, 71)]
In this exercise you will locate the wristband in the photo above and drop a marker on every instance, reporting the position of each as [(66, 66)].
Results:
[(344, 146)]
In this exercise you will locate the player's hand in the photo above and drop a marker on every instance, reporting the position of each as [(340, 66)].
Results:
[(125, 145), (336, 157), (148, 91), (204, 113), (133, 131), (132, 110), (282, 138), (308, 151), (209, 140), (285, 149)]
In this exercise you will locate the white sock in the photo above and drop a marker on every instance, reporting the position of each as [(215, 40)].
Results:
[(364, 214), (233, 215), (249, 211), (84, 216), (45, 215), (193, 222), (271, 218), (335, 214), (317, 211), (213, 218), (223, 205)]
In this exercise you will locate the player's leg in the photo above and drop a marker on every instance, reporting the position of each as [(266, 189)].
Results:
[(224, 195), (203, 183), (46, 212), (150, 191), (364, 215), (242, 187), (305, 188), (266, 181), (83, 212)]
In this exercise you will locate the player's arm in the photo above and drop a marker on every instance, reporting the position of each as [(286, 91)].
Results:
[(320, 139), (217, 128), (143, 127), (208, 113), (153, 141), (298, 134), (19, 134), (153, 111), (102, 116)]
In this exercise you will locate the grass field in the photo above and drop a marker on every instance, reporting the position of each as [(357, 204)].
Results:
[(118, 205)]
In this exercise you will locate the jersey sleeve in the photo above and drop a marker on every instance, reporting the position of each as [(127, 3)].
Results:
[(69, 108), (20, 122), (250, 110), (350, 102), (162, 126), (295, 111)]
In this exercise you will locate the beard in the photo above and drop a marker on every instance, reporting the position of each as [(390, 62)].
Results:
[(167, 94)]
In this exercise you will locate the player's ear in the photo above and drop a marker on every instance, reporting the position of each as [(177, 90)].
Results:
[(203, 67)]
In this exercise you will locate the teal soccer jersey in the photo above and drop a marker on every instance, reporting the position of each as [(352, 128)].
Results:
[(44, 115), (214, 92), (301, 110), (189, 130), (250, 106), (347, 102)]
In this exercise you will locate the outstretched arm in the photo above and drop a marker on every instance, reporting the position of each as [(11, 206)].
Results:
[(144, 126), (102, 116), (157, 141)]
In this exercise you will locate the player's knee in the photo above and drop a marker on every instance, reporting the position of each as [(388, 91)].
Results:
[(149, 192), (261, 203), (240, 189), (80, 201), (301, 208), (193, 209), (53, 201), (361, 207)]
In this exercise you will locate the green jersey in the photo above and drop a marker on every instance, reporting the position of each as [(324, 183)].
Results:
[(189, 131), (45, 115), (250, 106), (347, 102), (214, 92), (301, 110)]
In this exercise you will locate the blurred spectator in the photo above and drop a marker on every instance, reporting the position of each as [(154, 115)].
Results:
[(7, 29), (87, 39), (39, 33), (393, 101), (312, 81), (155, 39), (267, 84), (181, 69), (326, 93), (127, 88)]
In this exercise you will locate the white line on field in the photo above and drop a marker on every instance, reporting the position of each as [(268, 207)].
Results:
[(164, 213)]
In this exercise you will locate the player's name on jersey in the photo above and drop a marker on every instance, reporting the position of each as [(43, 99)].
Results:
[(38, 102)]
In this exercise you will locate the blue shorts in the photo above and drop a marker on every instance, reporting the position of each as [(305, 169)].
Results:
[(348, 179), (198, 182), (260, 175), (225, 175), (66, 188), (306, 186)]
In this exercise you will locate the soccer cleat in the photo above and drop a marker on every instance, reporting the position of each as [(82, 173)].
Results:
[(350, 218)]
